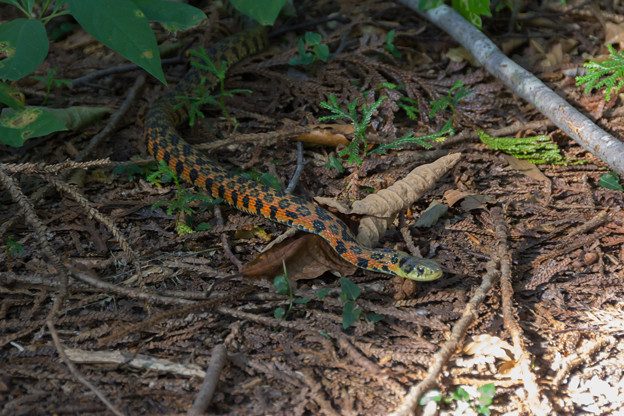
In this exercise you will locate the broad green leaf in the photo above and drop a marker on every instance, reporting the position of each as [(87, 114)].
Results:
[(10, 96), (75, 118), (262, 11), (487, 394), (281, 285), (302, 301), (17, 126), (374, 317), (350, 314), (425, 5), (348, 289), (460, 394), (172, 15), (610, 181), (123, 27), (24, 43), (279, 313), (321, 293), (472, 10)]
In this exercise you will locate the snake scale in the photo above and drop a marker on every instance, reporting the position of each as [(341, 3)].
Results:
[(165, 144)]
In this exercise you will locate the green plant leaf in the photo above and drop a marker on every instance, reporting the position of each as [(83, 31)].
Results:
[(262, 11), (78, 117), (349, 290), (610, 181), (374, 317), (322, 293), (25, 44), (17, 126), (122, 26), (173, 16), (334, 163), (425, 5), (350, 314), (302, 301), (8, 96), (472, 10), (281, 284), (460, 394), (279, 313), (487, 392)]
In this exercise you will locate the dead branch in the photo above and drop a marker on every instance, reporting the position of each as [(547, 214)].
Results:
[(72, 368), (535, 403), (204, 397), (574, 123), (410, 401)]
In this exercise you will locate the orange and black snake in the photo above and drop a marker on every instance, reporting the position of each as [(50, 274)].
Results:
[(165, 144)]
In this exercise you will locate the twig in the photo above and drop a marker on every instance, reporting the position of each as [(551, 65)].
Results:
[(224, 241), (208, 387), (298, 170), (76, 373), (140, 361), (114, 120), (410, 401), (118, 70), (40, 230), (576, 359), (44, 168), (580, 128), (522, 356)]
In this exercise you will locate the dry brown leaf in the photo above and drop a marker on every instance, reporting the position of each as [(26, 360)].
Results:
[(614, 33), (404, 192), (306, 257), (487, 345), (452, 196), (527, 168), (323, 138), (382, 206)]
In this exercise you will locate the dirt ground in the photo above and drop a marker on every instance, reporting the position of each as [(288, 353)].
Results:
[(145, 340)]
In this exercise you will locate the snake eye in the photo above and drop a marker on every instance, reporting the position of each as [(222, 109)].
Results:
[(420, 270)]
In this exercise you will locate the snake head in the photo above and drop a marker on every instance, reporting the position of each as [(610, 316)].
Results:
[(421, 270)]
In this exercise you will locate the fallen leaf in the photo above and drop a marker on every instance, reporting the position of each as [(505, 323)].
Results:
[(525, 167), (432, 214), (487, 345), (306, 257)]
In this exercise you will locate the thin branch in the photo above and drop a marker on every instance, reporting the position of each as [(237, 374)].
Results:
[(298, 170), (535, 404), (574, 123), (410, 401), (208, 387), (72, 369)]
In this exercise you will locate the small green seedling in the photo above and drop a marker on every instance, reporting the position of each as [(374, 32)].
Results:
[(203, 93), (349, 293), (51, 82), (425, 141), (310, 49), (282, 287), (607, 75), (182, 203), (13, 247), (334, 163), (457, 93), (360, 120), (390, 47), (481, 404)]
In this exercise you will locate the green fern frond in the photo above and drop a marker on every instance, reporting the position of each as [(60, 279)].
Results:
[(607, 75)]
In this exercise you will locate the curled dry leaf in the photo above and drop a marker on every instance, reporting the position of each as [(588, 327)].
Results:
[(306, 257), (381, 207), (327, 135)]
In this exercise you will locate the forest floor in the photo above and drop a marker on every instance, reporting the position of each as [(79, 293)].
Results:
[(145, 340)]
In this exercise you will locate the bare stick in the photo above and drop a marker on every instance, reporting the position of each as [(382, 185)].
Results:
[(535, 404), (410, 401), (298, 170), (575, 124), (208, 387), (76, 373)]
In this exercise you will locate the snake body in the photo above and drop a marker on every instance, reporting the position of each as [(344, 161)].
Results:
[(165, 144)]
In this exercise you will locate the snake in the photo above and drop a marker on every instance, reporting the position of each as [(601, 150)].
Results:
[(165, 144)]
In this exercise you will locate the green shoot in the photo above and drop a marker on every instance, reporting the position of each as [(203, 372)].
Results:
[(607, 75), (390, 47), (51, 82), (409, 106), (457, 93), (310, 49), (13, 247), (360, 122), (480, 400), (535, 149), (423, 141), (334, 163), (183, 201), (349, 293), (283, 287), (203, 94)]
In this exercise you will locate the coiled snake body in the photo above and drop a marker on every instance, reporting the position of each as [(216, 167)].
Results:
[(164, 143)]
